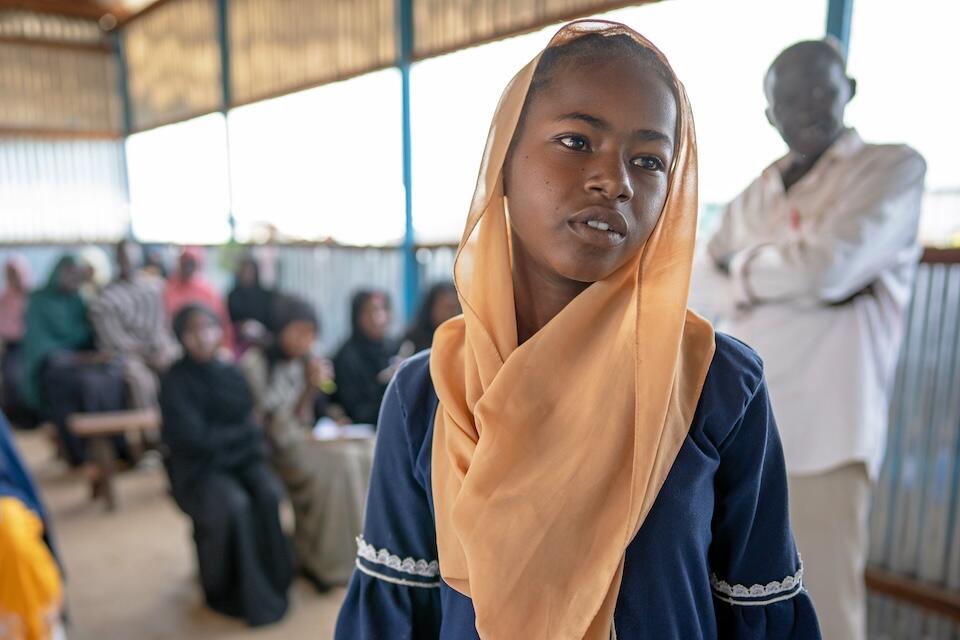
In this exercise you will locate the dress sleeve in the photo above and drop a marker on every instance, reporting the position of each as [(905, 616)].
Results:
[(394, 591), (757, 574)]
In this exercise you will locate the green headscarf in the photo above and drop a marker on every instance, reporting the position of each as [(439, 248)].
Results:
[(56, 320)]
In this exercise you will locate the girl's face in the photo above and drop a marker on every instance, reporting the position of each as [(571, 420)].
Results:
[(202, 337), (297, 338), (588, 174)]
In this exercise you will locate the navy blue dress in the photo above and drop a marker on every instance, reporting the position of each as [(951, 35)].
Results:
[(715, 557)]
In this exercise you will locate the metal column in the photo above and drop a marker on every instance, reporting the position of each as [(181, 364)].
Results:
[(404, 60), (126, 113), (839, 16), (226, 98)]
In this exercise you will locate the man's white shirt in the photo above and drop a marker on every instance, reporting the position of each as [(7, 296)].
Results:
[(819, 280)]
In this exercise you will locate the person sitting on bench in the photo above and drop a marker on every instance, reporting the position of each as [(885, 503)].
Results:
[(63, 374), (220, 478)]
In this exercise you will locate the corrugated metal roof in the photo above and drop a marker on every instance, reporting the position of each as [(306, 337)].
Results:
[(173, 63)]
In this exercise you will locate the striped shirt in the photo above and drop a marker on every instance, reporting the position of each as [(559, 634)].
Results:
[(129, 317)]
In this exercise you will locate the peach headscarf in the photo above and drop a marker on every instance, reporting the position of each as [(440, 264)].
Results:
[(547, 456)]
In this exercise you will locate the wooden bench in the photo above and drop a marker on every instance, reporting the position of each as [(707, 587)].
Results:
[(100, 428), (937, 599)]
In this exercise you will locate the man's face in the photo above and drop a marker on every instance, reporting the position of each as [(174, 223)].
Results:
[(807, 94), (127, 259)]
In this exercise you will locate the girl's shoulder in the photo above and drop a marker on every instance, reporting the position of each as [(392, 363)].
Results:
[(734, 381), (405, 426), (735, 365), (412, 392)]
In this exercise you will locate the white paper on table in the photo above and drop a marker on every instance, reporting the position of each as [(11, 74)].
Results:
[(328, 429)]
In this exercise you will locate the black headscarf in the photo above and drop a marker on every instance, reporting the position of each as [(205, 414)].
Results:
[(421, 331), (226, 387), (249, 302), (358, 363)]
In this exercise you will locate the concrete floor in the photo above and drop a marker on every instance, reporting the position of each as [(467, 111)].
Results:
[(131, 573)]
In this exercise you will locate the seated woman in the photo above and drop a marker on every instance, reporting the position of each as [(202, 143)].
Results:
[(249, 304), (439, 305), (366, 361), (31, 587), (327, 481), (188, 285), (13, 307), (62, 374), (220, 479)]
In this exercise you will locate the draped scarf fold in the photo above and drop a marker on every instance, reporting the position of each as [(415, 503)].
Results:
[(547, 456)]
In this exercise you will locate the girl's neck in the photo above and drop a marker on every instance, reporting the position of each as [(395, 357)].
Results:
[(539, 293)]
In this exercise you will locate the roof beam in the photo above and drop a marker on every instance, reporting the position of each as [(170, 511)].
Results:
[(99, 47), (84, 9)]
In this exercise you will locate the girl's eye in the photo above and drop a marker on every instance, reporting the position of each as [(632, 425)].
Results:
[(650, 163), (577, 143)]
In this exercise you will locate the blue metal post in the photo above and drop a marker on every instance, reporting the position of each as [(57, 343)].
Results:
[(226, 97), (404, 60), (123, 85), (839, 17), (223, 37), (126, 114)]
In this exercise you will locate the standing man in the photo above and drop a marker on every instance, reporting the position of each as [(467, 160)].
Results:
[(813, 266)]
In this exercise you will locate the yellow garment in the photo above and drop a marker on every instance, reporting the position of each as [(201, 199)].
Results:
[(30, 589), (548, 456)]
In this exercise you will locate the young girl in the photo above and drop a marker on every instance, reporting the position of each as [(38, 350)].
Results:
[(580, 457), (326, 481)]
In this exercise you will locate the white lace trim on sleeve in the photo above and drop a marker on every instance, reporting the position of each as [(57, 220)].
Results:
[(411, 566), (758, 594), (400, 581)]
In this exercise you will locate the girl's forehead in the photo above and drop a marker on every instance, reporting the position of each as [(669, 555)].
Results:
[(631, 90), (623, 67)]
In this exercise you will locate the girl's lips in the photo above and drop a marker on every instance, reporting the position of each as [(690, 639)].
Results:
[(597, 237)]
